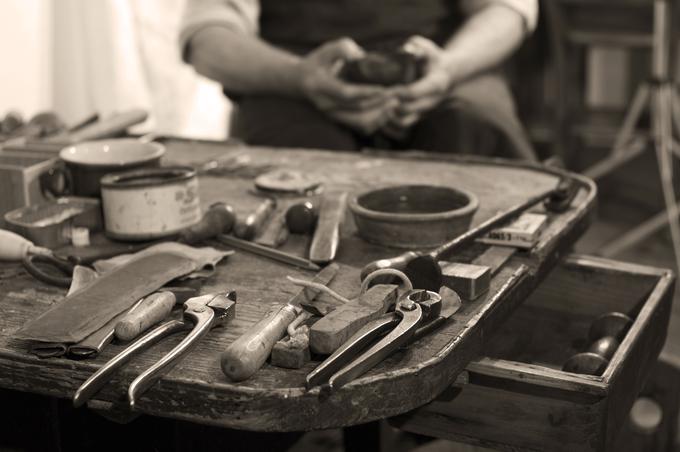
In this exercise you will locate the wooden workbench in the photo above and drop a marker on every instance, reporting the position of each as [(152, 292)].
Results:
[(275, 399)]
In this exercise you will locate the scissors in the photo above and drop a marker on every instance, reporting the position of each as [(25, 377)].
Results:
[(51, 269)]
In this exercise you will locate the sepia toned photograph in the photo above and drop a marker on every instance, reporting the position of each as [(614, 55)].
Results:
[(339, 225)]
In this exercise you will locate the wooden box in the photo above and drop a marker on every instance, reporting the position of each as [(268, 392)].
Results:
[(20, 179), (517, 396)]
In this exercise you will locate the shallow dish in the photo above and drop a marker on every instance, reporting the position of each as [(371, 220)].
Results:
[(87, 162), (413, 216)]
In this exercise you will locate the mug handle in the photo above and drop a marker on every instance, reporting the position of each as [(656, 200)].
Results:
[(55, 182)]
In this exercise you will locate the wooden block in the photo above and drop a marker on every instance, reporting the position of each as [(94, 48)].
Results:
[(334, 329), (20, 179), (468, 280), (521, 233), (292, 352)]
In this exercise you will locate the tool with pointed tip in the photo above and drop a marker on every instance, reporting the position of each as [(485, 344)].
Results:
[(417, 313), (201, 314), (248, 353), (423, 268)]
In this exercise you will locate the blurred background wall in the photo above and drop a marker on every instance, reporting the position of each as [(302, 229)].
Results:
[(78, 57), (83, 56)]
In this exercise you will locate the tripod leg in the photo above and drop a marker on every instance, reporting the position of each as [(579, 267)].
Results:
[(675, 110), (626, 145), (664, 156), (640, 100), (663, 141)]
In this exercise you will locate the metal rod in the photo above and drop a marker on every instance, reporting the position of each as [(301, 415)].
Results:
[(265, 251)]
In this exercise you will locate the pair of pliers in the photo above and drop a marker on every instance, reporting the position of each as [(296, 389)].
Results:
[(416, 313), (201, 314)]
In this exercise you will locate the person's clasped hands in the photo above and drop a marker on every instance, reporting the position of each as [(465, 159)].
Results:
[(369, 108)]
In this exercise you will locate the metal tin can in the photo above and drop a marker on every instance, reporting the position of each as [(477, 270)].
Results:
[(150, 203)]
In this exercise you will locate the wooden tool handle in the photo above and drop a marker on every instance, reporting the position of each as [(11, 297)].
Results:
[(219, 219), (110, 126), (152, 310), (248, 353), (275, 232), (249, 227), (331, 331), (398, 263), (327, 234)]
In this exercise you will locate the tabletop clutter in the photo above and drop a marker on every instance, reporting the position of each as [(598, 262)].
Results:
[(161, 246)]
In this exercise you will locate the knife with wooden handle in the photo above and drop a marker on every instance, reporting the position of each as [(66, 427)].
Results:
[(248, 353), (327, 234)]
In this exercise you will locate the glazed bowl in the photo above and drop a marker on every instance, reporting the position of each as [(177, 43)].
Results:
[(88, 162), (412, 216)]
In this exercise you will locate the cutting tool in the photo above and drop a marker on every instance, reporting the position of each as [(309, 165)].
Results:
[(201, 314), (417, 312)]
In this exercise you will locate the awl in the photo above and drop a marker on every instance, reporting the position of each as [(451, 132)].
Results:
[(249, 352)]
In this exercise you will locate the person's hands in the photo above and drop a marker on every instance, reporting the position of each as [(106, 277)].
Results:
[(364, 108), (424, 94)]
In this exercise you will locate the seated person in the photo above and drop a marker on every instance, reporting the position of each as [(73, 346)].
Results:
[(279, 59)]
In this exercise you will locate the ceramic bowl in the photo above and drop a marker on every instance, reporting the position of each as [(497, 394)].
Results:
[(413, 216), (89, 161)]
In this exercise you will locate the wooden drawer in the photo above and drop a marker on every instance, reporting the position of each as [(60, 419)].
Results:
[(517, 396)]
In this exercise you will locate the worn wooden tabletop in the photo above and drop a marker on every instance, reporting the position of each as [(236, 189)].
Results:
[(275, 399)]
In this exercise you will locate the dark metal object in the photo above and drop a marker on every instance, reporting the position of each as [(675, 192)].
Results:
[(201, 314), (413, 310), (265, 251)]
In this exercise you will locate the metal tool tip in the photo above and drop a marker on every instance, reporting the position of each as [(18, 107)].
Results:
[(78, 400)]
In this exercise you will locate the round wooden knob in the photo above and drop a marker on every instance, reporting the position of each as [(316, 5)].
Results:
[(301, 218), (613, 324), (605, 347), (587, 363)]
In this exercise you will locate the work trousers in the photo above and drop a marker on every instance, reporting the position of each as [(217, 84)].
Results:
[(478, 118)]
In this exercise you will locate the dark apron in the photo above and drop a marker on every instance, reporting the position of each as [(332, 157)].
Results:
[(302, 25)]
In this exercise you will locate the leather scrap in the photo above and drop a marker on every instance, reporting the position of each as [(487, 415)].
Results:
[(87, 310), (206, 258), (81, 277)]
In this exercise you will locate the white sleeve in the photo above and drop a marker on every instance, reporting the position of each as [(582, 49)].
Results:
[(239, 15), (528, 9)]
